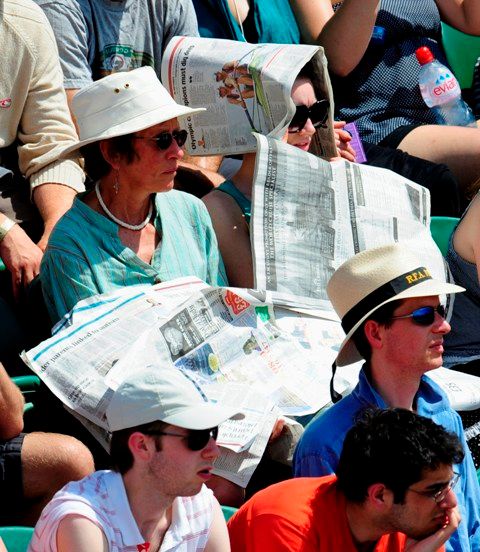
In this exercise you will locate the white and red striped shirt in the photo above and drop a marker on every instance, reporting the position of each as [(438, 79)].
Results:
[(101, 498)]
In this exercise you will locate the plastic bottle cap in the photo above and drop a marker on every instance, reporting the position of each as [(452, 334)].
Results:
[(424, 55)]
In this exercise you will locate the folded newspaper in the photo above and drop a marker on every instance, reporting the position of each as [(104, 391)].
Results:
[(246, 88)]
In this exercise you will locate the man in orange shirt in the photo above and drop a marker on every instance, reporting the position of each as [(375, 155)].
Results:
[(393, 492)]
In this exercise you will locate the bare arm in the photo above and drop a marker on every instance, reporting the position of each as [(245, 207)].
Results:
[(464, 15), (218, 540), (344, 34), (233, 237), (52, 201), (78, 534), (11, 407), (205, 167)]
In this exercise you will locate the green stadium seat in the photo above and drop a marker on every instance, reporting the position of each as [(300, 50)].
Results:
[(462, 53), (441, 229), (16, 539), (228, 512)]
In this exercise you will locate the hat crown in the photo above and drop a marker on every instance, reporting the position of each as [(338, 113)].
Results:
[(119, 99), (366, 272)]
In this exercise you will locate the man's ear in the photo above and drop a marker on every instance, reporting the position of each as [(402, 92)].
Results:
[(374, 333), (379, 496), (141, 446)]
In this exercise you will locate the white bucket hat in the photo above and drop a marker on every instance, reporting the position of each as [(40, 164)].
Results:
[(373, 278), (123, 103), (167, 395)]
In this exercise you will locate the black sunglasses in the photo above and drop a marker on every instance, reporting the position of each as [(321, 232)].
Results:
[(424, 316), (197, 439), (164, 139), (317, 113)]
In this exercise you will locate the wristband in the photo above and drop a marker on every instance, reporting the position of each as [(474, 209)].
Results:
[(5, 227)]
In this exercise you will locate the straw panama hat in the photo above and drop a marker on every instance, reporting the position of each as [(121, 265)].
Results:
[(373, 278), (122, 103), (154, 393)]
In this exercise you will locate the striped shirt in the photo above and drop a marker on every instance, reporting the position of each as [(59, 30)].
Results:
[(85, 256), (101, 498)]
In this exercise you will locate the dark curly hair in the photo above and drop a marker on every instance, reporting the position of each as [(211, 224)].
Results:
[(394, 447)]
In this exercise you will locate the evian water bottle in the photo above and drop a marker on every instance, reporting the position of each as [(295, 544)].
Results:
[(441, 91)]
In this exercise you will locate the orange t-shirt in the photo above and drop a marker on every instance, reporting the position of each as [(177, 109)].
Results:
[(299, 515)]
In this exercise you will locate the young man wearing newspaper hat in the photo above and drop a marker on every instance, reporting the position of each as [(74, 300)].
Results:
[(391, 313), (163, 447)]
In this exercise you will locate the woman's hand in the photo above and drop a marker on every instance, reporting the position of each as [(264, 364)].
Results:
[(342, 141)]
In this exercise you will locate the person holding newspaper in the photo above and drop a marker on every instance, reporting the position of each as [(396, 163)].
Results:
[(132, 228), (230, 204), (163, 447)]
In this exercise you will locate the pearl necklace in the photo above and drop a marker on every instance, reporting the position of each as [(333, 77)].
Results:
[(117, 220)]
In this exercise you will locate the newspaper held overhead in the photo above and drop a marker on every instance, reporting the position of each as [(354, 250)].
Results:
[(246, 88), (211, 334), (309, 216)]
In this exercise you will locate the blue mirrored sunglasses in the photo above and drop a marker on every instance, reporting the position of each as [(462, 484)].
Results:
[(424, 316)]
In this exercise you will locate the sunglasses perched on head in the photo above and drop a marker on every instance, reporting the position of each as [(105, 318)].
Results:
[(164, 139), (196, 439), (424, 316), (317, 113)]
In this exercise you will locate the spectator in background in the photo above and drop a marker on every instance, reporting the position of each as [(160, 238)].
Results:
[(99, 37), (255, 21), (462, 345), (35, 188), (393, 492), (375, 80), (163, 448), (390, 310), (33, 465)]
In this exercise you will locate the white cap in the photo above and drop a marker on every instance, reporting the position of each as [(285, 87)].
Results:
[(167, 395)]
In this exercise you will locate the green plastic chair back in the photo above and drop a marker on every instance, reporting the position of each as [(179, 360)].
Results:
[(441, 229), (228, 512), (462, 52), (16, 539)]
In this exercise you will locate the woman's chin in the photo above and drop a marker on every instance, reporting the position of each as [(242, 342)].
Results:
[(305, 146)]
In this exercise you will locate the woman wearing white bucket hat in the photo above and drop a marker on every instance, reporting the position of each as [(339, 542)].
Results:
[(128, 230)]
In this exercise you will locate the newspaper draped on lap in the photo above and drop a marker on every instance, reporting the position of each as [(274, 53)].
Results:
[(246, 88), (212, 334), (309, 216)]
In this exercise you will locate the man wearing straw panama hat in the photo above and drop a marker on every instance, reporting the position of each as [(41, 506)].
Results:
[(391, 313)]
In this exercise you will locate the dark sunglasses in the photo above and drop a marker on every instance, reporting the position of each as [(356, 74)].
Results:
[(317, 113), (164, 139), (424, 316), (197, 439)]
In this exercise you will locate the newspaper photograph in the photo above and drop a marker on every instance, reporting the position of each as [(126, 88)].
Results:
[(245, 88), (310, 215)]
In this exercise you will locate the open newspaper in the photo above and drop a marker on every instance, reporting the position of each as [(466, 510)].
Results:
[(246, 88), (212, 334), (309, 216)]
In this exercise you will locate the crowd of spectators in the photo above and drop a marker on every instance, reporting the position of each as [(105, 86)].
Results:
[(92, 169)]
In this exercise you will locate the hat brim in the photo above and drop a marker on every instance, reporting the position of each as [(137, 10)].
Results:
[(203, 416), (348, 353), (141, 122)]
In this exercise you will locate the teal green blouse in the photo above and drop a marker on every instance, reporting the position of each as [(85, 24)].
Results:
[(85, 256)]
